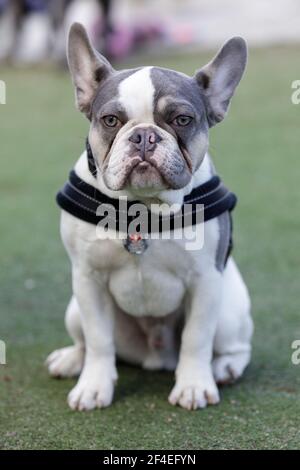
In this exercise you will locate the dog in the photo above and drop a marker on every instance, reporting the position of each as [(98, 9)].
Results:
[(167, 307)]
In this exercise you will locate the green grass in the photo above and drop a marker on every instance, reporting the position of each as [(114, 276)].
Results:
[(257, 152)]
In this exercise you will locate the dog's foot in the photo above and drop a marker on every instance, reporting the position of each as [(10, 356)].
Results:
[(66, 362), (94, 389), (87, 396), (192, 392), (229, 367)]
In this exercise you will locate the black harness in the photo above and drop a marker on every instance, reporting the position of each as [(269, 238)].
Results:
[(83, 200)]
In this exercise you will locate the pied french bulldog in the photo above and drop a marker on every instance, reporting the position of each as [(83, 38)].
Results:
[(168, 307)]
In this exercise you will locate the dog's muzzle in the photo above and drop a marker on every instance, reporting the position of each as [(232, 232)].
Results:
[(146, 157), (161, 162)]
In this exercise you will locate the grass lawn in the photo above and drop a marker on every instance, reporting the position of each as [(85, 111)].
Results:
[(256, 150)]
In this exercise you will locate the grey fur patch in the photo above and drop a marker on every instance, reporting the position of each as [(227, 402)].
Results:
[(180, 94), (219, 79), (179, 87), (106, 102), (224, 240)]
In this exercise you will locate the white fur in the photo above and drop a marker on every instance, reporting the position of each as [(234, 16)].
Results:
[(136, 94)]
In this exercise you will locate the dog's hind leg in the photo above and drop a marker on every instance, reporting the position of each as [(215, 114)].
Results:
[(232, 344), (68, 362)]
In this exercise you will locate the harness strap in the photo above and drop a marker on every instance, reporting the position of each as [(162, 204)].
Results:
[(83, 200)]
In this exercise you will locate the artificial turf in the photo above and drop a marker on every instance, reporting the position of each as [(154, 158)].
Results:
[(256, 151)]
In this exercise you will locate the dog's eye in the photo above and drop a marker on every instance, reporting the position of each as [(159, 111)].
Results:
[(110, 120), (182, 120)]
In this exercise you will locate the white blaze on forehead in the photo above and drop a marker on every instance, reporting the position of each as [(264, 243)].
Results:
[(136, 94)]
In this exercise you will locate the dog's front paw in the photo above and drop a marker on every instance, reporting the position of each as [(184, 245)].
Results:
[(193, 391), (65, 362), (94, 389), (85, 397)]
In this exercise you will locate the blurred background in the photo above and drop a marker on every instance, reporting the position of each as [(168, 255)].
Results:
[(256, 152), (33, 31)]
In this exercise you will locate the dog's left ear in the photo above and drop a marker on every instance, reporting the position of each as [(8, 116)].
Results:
[(220, 77), (88, 68)]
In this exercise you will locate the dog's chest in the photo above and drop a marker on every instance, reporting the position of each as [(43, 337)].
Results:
[(143, 291), (152, 283)]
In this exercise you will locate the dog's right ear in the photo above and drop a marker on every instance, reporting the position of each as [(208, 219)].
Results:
[(88, 68)]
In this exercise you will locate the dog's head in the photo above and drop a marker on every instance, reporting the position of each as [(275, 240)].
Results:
[(149, 126)]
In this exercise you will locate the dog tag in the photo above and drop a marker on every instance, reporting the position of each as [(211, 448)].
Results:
[(135, 244)]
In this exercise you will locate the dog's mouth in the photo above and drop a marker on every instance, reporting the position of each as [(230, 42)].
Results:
[(169, 171), (144, 175), (160, 171)]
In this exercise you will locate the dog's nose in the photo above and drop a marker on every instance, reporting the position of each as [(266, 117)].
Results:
[(144, 140)]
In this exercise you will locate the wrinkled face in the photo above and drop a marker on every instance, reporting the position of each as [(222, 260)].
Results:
[(149, 129), (149, 126)]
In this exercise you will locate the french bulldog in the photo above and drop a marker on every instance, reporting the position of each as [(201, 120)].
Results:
[(167, 308)]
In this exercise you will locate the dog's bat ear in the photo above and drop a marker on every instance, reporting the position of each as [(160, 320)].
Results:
[(88, 68), (220, 77)]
